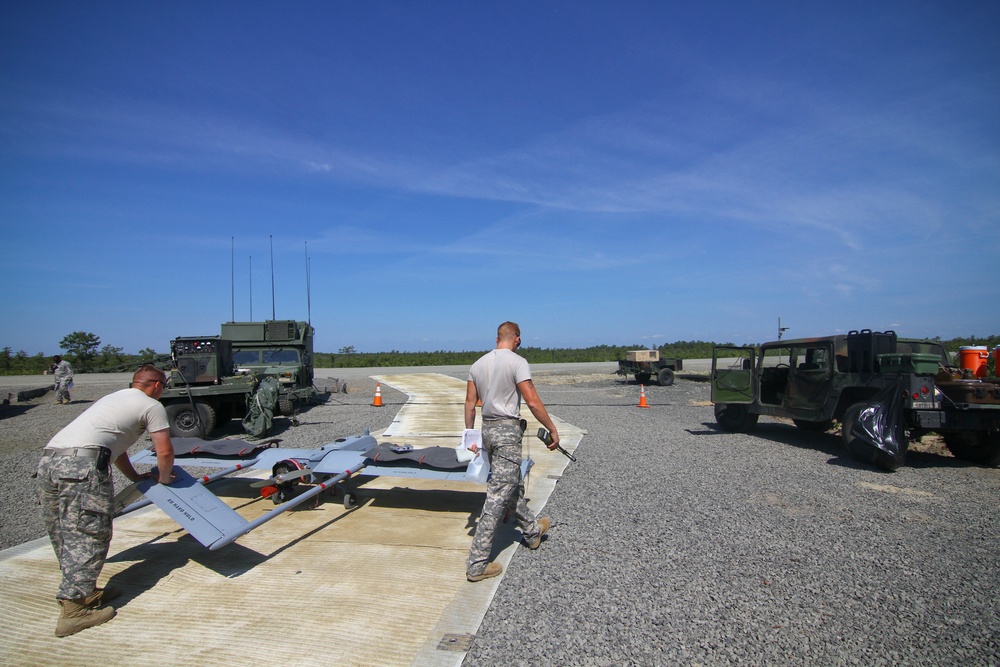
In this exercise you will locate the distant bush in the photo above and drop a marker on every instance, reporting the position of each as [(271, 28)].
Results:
[(111, 359)]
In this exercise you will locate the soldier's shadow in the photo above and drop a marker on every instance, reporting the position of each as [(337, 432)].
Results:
[(154, 561)]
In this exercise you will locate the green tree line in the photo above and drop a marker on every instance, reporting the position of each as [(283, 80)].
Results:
[(84, 351)]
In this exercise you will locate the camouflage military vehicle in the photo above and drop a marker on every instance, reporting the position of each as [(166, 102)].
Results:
[(213, 378), (817, 381), (203, 389), (282, 349), (647, 364)]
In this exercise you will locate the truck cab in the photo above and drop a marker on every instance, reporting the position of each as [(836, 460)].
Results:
[(282, 349)]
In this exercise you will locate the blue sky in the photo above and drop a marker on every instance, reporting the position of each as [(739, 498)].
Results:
[(600, 172)]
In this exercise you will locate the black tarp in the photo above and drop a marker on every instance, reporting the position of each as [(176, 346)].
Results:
[(874, 430)]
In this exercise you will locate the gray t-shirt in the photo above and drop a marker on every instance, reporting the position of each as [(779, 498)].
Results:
[(115, 421), (496, 375)]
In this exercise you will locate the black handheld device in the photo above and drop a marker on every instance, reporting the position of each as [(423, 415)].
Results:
[(546, 437)]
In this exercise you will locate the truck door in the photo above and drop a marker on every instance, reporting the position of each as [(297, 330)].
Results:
[(809, 380), (732, 374)]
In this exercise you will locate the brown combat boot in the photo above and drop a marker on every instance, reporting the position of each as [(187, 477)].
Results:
[(76, 617), (543, 527), (492, 570), (101, 596)]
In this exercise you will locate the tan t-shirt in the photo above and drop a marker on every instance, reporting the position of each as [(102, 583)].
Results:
[(115, 421), (496, 375)]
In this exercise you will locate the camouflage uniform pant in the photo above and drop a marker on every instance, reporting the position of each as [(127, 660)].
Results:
[(505, 490), (62, 389), (76, 502)]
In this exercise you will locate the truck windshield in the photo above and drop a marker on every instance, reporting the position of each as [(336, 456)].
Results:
[(243, 357), (281, 356), (265, 357)]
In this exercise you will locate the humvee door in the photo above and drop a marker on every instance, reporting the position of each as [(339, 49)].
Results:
[(732, 374)]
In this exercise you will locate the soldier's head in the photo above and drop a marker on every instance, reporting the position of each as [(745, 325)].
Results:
[(509, 333), (149, 379), (57, 358)]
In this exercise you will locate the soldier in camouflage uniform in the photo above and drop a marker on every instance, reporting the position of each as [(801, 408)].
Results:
[(75, 489), (63, 373), (501, 378)]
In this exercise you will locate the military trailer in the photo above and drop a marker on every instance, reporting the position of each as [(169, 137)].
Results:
[(647, 364), (282, 349), (203, 388), (818, 381)]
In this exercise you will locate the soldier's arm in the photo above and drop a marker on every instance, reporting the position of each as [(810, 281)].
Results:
[(534, 403), (164, 455)]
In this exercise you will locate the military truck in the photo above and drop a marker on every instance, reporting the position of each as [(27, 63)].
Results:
[(647, 364), (817, 381), (213, 378), (203, 388), (282, 349)]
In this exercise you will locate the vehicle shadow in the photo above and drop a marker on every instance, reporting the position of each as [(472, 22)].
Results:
[(832, 444)]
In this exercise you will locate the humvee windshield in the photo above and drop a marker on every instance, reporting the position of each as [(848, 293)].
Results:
[(269, 357)]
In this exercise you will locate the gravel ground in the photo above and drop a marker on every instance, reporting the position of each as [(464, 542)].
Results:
[(675, 543)]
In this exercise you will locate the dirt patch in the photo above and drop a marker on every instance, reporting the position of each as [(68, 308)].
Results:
[(889, 488), (930, 444)]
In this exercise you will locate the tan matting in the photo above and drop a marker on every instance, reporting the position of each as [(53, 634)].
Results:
[(381, 584)]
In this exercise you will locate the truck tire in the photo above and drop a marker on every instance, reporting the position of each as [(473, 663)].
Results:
[(286, 407), (974, 446), (814, 427), (642, 378), (188, 422), (862, 451), (665, 377), (735, 417)]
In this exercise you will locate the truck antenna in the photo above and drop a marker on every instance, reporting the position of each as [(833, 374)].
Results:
[(251, 288), (271, 239), (308, 291), (232, 278)]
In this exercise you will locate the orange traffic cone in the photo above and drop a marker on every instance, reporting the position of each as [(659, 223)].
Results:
[(642, 397), (378, 395)]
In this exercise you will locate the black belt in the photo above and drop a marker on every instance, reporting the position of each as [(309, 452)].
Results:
[(102, 454)]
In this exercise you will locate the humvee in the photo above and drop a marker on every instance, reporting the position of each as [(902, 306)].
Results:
[(816, 382)]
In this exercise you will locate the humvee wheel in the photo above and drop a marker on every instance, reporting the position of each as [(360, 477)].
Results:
[(735, 417), (185, 422), (847, 423), (665, 377), (974, 446)]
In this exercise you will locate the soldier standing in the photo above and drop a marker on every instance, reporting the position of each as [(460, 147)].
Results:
[(63, 373), (501, 378), (75, 489)]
